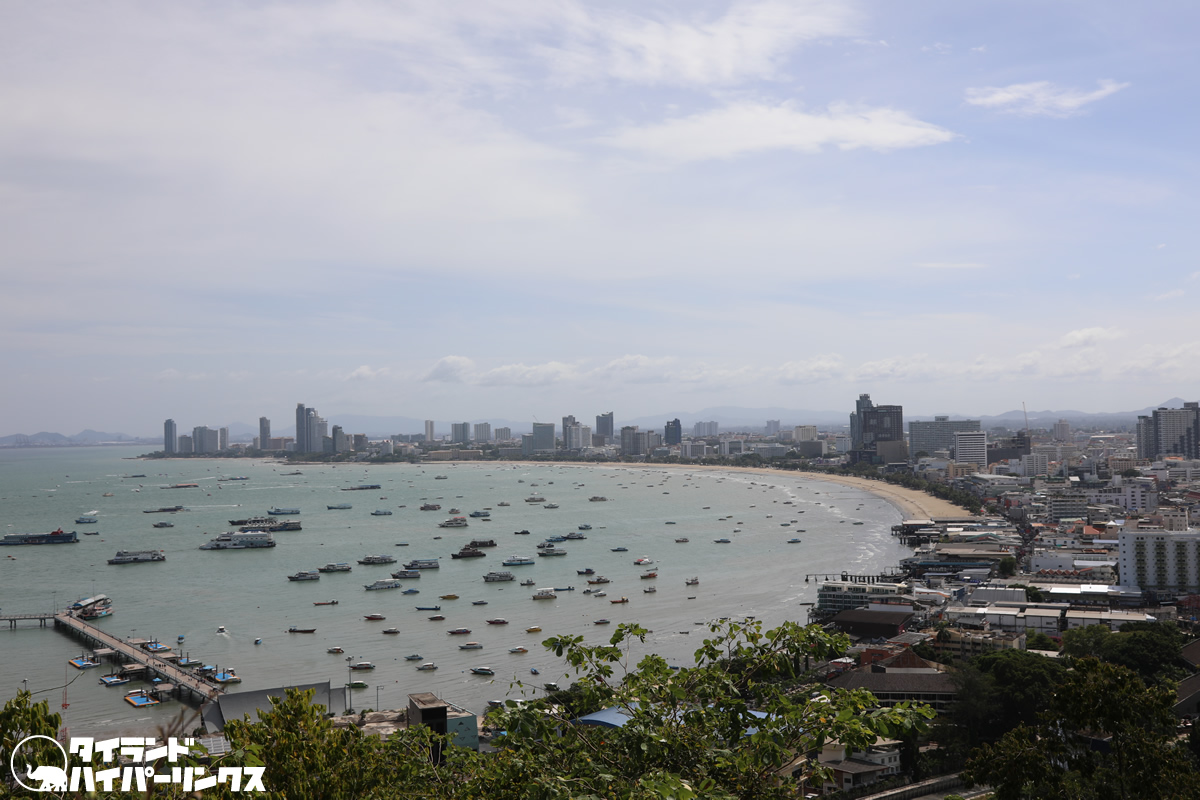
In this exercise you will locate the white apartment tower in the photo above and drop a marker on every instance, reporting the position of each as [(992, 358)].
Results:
[(483, 432), (428, 431), (970, 447)]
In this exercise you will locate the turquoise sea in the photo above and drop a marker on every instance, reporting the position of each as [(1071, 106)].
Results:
[(194, 591)]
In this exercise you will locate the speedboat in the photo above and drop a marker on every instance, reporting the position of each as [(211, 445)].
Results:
[(692, 581), (534, 671), (374, 616), (793, 541), (428, 665), (534, 629), (601, 621), (391, 630), (258, 641), (470, 646), (518, 650), (356, 685), (429, 608), (482, 671), (413, 657), (362, 665), (437, 618), (458, 631), (335, 650), (721, 541), (620, 549), (479, 602)]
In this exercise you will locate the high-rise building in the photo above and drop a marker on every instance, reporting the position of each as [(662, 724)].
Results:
[(701, 429), (170, 437), (1170, 432), (503, 434), (629, 441), (527, 444), (567, 422), (673, 432), (301, 428), (222, 439), (772, 427), (361, 442), (871, 426), (428, 431), (205, 440), (1035, 464), (577, 437), (804, 433), (264, 433), (483, 432), (460, 432), (970, 447), (930, 437), (604, 426), (543, 437), (1062, 431), (185, 445)]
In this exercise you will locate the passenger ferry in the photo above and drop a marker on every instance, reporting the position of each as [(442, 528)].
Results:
[(137, 556), (407, 573), (341, 566), (545, 594), (517, 561), (381, 512), (423, 563), (338, 507), (377, 560), (305, 575), (240, 541), (383, 584), (54, 537), (454, 522), (278, 512), (481, 513)]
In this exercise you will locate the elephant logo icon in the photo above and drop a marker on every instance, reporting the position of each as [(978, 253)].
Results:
[(51, 778), (54, 779)]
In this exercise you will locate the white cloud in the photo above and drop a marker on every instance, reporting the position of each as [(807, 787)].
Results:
[(1090, 337), (747, 127), (450, 369), (1169, 295), (690, 48), (951, 265), (1040, 98), (366, 373), (817, 369), (528, 375)]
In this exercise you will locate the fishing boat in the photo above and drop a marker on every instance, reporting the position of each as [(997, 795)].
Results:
[(413, 657), (140, 698), (534, 629), (294, 629), (326, 603), (391, 630), (649, 590), (528, 582), (721, 541), (585, 527), (479, 602), (681, 540), (429, 608), (601, 621), (228, 676), (598, 579), (588, 571), (620, 549), (643, 560), (437, 617), (164, 525), (458, 631), (650, 573), (793, 541), (692, 581), (497, 621), (622, 600), (381, 512), (448, 596)]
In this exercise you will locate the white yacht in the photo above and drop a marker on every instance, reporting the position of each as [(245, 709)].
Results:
[(454, 522), (383, 584), (240, 541)]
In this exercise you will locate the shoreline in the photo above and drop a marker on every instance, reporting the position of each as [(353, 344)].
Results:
[(911, 504)]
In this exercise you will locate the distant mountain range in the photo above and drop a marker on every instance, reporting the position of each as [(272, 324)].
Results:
[(727, 417)]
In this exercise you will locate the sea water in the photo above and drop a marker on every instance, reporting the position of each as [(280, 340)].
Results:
[(194, 592)]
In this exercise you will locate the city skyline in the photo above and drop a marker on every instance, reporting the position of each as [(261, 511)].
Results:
[(656, 206)]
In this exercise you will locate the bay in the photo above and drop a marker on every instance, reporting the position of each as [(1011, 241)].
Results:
[(194, 592)]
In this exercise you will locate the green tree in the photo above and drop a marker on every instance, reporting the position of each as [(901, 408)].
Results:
[(1008, 567), (1040, 641), (1056, 757), (1086, 641)]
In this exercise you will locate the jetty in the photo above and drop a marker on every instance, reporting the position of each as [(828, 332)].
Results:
[(15, 619), (186, 685)]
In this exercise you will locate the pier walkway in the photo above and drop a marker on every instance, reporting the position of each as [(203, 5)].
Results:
[(13, 619), (190, 686)]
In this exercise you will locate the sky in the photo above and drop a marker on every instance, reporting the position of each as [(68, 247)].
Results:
[(525, 209)]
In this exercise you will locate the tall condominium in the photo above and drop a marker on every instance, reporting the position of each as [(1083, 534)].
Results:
[(701, 429), (1170, 432), (460, 432), (804, 433), (673, 432), (503, 434), (567, 422), (301, 428), (222, 439), (205, 440), (483, 432), (604, 426), (1062, 431), (970, 447), (170, 437), (772, 427), (629, 441), (577, 437), (543, 437), (930, 437), (428, 431), (264, 433), (877, 432)]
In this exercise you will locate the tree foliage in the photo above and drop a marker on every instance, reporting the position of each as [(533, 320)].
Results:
[(732, 725), (1105, 735)]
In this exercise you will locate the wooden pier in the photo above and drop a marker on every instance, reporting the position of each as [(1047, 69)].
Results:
[(190, 686), (14, 619)]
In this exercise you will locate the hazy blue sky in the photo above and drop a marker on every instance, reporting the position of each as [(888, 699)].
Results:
[(464, 209)]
